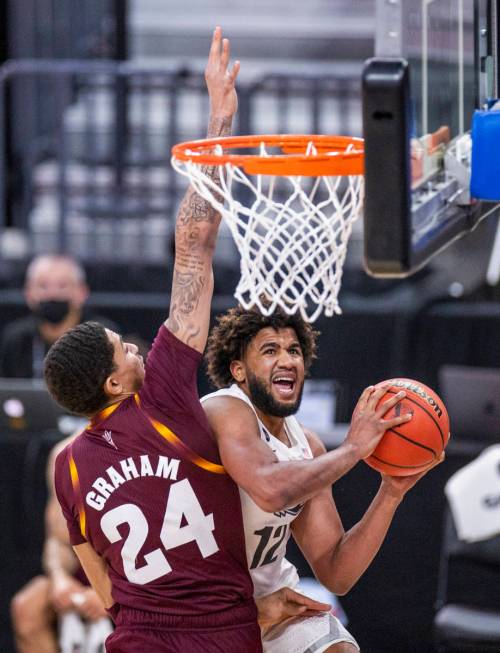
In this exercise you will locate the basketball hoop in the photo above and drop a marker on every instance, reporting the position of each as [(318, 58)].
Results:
[(290, 202)]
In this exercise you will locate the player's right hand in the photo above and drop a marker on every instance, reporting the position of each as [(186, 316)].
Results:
[(368, 424)]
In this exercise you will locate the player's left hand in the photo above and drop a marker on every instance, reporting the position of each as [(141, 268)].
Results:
[(220, 78), (399, 485), (285, 603)]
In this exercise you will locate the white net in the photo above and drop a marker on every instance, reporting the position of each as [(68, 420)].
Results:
[(291, 233)]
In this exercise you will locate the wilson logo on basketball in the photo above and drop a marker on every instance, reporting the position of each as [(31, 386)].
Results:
[(414, 445), (421, 393)]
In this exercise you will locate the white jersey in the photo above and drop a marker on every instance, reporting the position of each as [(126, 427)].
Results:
[(267, 534)]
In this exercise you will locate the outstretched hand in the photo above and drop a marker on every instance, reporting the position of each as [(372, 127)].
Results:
[(220, 78), (285, 603), (368, 424)]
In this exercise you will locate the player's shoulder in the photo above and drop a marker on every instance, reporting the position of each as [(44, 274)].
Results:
[(226, 402), (170, 374), (62, 444), (315, 442), (167, 338), (60, 452)]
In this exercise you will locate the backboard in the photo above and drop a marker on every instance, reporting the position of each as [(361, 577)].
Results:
[(435, 62)]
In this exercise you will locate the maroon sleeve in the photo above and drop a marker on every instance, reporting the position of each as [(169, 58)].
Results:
[(170, 382), (65, 496)]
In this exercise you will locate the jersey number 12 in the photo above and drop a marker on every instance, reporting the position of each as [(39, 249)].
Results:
[(270, 541)]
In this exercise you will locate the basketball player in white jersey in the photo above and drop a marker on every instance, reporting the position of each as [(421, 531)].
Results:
[(285, 474)]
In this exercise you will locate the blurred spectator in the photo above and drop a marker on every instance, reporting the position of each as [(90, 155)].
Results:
[(55, 290), (62, 592)]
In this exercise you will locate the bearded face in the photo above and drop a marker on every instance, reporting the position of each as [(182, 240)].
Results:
[(272, 371), (261, 394)]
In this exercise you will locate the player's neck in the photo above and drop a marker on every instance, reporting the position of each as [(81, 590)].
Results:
[(119, 398), (275, 425), (115, 400)]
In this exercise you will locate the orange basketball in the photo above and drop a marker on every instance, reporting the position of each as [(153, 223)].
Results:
[(410, 447)]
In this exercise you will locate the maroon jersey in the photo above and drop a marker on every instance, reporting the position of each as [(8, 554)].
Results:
[(145, 487)]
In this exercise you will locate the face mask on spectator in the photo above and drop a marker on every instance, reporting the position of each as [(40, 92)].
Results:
[(52, 310)]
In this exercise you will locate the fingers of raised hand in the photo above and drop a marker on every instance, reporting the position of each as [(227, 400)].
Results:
[(220, 49), (217, 68), (216, 54), (216, 43), (233, 72), (226, 53)]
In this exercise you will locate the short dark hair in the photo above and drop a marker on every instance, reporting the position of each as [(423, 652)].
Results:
[(76, 367), (234, 331)]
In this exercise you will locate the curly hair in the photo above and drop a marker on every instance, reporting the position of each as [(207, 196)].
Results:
[(76, 367), (236, 328)]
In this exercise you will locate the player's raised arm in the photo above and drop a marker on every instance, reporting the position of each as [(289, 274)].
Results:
[(197, 222)]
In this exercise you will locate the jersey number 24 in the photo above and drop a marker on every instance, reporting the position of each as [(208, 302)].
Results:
[(181, 502)]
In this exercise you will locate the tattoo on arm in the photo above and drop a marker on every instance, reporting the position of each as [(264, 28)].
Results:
[(188, 282), (219, 127), (186, 291), (192, 271), (195, 208)]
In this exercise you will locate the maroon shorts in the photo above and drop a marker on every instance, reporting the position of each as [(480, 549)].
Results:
[(138, 631)]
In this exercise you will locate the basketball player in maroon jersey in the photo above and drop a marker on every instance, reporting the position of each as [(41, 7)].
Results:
[(152, 515)]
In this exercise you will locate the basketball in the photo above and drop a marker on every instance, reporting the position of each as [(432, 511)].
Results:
[(410, 447)]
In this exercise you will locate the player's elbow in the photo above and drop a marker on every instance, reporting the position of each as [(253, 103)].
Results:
[(335, 579), (340, 588), (269, 496), (337, 585), (270, 503)]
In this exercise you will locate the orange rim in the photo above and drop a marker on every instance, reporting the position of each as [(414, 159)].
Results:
[(336, 155)]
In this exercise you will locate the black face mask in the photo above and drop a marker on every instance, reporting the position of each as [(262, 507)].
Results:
[(53, 310)]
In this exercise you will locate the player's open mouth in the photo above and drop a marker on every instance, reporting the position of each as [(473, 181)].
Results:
[(284, 385)]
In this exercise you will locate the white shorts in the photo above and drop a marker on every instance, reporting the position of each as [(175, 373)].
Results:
[(306, 634)]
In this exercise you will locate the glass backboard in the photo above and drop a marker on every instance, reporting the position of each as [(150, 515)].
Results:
[(435, 62)]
